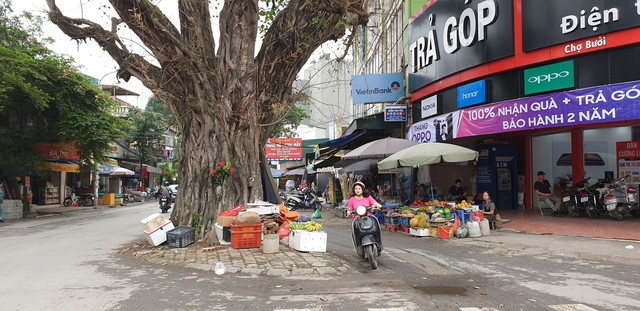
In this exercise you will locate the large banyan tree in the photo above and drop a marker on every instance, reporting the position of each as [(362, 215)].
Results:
[(225, 98)]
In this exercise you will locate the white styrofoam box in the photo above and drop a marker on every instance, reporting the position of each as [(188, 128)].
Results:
[(306, 241), (419, 231), (219, 233), (12, 209), (264, 209), (152, 222), (475, 208), (159, 235)]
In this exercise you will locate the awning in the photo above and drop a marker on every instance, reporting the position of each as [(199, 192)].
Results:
[(330, 161), (112, 170), (152, 169)]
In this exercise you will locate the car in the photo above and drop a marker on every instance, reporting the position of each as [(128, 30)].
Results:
[(174, 189)]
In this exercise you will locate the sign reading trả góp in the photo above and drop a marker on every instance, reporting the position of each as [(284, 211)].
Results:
[(288, 149)]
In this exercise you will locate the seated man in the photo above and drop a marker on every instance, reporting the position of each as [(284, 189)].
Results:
[(457, 191), (545, 193)]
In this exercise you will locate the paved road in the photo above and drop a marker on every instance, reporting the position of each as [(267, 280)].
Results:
[(72, 262)]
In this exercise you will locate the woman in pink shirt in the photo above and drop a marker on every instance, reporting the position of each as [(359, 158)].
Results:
[(360, 197)]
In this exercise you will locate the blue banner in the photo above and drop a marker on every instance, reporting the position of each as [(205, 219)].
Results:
[(472, 94), (378, 88)]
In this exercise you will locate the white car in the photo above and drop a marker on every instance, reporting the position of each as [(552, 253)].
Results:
[(174, 189)]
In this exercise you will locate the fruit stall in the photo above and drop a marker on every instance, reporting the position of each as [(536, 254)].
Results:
[(437, 219)]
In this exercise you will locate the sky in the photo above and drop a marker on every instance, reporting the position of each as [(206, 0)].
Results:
[(89, 57)]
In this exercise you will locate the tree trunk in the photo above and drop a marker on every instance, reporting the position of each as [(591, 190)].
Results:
[(202, 138)]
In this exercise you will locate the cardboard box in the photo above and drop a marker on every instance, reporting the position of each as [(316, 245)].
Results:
[(153, 222), (226, 221), (264, 210), (159, 235), (306, 241)]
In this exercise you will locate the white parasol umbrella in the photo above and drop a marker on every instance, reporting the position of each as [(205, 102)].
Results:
[(121, 171), (380, 148), (428, 153)]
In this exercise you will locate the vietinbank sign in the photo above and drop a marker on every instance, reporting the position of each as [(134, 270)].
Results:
[(609, 103), (548, 78), (377, 88), (450, 36)]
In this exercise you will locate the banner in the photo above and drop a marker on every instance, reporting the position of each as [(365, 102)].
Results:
[(441, 128), (628, 159), (58, 151), (284, 149), (608, 103)]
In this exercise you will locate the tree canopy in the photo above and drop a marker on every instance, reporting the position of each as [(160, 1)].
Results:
[(43, 98)]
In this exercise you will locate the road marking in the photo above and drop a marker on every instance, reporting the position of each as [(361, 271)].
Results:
[(574, 307)]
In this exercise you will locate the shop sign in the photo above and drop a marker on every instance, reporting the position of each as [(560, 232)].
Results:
[(548, 78), (377, 88), (58, 151), (451, 36), (284, 149), (59, 167), (628, 159), (607, 103), (472, 94), (395, 113), (440, 128), (571, 20), (429, 106)]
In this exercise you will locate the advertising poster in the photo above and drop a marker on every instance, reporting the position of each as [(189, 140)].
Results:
[(285, 149), (628, 158), (441, 128)]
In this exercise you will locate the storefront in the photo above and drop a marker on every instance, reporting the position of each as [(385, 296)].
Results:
[(563, 99), (60, 173)]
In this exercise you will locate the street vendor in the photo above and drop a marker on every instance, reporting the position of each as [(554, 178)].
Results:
[(360, 197), (421, 193), (489, 209), (457, 191)]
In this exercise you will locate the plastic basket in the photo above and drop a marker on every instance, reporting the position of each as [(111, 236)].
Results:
[(404, 221), (246, 236), (181, 236), (394, 221), (380, 218)]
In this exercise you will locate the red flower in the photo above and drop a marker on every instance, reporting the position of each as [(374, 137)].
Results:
[(221, 164), (213, 172), (231, 170)]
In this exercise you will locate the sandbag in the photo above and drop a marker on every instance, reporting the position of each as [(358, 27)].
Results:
[(248, 218)]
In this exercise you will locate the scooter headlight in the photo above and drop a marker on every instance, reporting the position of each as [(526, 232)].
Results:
[(361, 210)]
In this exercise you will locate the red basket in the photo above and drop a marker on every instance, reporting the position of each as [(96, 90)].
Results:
[(246, 236)]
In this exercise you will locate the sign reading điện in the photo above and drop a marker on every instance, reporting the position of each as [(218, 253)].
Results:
[(285, 149)]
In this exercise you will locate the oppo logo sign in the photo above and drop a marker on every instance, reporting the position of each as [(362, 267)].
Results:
[(548, 78)]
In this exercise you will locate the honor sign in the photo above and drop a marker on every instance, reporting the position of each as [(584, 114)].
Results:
[(450, 36)]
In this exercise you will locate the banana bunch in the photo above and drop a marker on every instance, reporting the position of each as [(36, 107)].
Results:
[(312, 226), (297, 226)]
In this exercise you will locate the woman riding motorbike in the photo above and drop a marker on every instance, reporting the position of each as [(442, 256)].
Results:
[(360, 197)]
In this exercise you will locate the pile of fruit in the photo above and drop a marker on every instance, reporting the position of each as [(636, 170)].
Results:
[(463, 205), (308, 226), (420, 221), (407, 214)]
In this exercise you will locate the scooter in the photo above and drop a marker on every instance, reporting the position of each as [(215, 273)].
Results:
[(81, 200), (303, 199), (621, 199), (365, 232), (595, 206), (165, 205)]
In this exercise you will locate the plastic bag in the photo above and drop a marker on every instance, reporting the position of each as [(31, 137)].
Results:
[(233, 212), (284, 230), (220, 268), (316, 214)]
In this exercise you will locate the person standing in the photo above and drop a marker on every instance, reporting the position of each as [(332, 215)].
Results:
[(1, 201), (545, 193)]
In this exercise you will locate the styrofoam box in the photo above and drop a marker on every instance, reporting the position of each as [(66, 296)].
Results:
[(306, 241), (264, 209), (159, 235), (220, 235), (419, 231), (152, 222)]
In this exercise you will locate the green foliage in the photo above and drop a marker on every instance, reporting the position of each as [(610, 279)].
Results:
[(170, 171), (269, 9), (146, 132), (290, 123), (155, 105), (44, 99)]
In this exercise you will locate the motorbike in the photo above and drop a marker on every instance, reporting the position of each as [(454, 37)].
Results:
[(306, 198), (365, 232), (621, 199), (80, 199), (581, 198), (165, 204), (595, 206)]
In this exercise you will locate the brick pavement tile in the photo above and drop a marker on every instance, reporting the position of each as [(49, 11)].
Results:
[(255, 271), (277, 272), (199, 266), (325, 270), (302, 271), (232, 269)]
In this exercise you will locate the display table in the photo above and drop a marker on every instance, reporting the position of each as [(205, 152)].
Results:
[(50, 195)]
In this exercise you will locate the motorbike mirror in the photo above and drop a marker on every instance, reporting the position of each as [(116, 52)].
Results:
[(361, 210)]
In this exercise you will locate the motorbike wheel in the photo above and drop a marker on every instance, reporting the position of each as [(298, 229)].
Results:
[(318, 206), (67, 202), (616, 215), (88, 202), (291, 206), (591, 212), (573, 211), (370, 255)]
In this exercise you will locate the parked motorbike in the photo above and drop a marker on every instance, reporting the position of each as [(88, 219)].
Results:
[(365, 232), (306, 198), (80, 199), (165, 204), (595, 206), (582, 198), (621, 199)]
